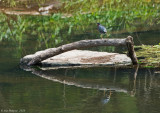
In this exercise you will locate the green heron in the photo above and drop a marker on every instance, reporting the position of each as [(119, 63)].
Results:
[(101, 29)]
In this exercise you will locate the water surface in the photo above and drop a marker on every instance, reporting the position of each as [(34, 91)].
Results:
[(86, 90)]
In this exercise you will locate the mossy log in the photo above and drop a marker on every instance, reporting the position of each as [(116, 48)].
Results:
[(42, 55)]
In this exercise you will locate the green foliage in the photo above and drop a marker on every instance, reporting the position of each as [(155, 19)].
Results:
[(79, 16), (11, 29), (150, 55)]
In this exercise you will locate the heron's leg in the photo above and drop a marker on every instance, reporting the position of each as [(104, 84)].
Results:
[(101, 36)]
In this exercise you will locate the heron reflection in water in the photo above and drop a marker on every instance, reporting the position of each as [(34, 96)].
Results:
[(107, 96)]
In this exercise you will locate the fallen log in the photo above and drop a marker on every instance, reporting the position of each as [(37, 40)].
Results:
[(42, 55)]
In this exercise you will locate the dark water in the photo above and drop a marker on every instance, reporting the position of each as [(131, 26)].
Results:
[(86, 90)]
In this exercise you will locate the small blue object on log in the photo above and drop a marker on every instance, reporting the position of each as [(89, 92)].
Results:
[(101, 29)]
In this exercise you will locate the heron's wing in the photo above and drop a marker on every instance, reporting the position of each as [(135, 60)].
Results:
[(102, 29)]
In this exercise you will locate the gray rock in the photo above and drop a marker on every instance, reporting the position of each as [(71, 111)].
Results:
[(85, 57)]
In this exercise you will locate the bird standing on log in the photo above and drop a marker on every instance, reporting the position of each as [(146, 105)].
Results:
[(101, 29)]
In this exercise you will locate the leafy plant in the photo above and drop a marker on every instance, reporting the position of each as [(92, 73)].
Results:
[(149, 55), (116, 15)]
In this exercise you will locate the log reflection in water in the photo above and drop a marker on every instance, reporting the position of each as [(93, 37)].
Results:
[(83, 83)]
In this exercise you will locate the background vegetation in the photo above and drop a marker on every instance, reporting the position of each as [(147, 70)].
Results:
[(79, 16)]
